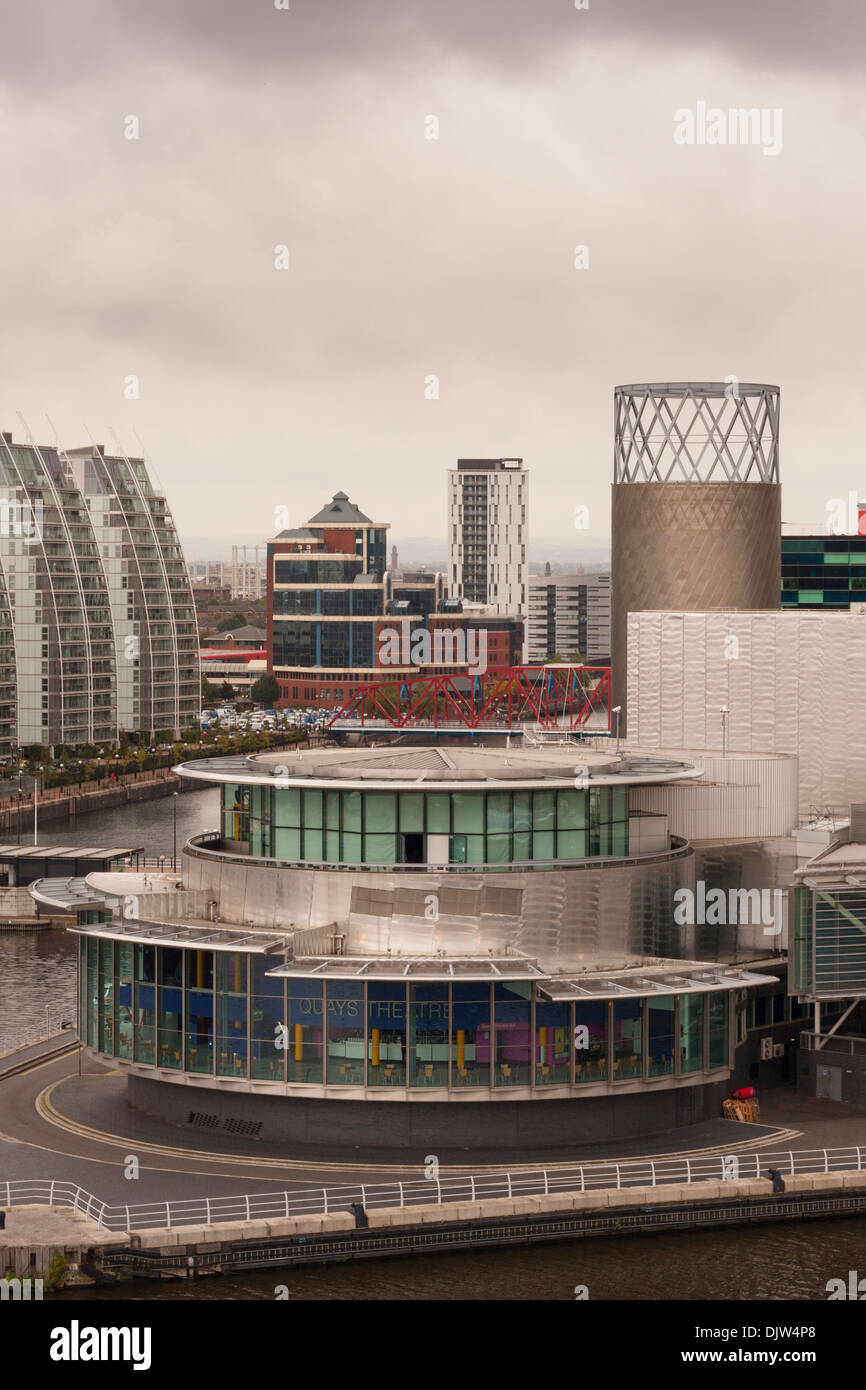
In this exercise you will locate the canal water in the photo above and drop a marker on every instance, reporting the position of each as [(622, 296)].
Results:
[(38, 969), (37, 974)]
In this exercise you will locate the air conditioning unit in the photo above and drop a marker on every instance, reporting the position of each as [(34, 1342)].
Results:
[(766, 1049), (778, 1049)]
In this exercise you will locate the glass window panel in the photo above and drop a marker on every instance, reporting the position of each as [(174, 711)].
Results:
[(332, 810), (511, 1033), (474, 849), (231, 1036), (542, 811), (170, 1006), (552, 1043), (312, 809), (619, 803), (619, 838), (105, 1032), (332, 846), (522, 810), (719, 1030), (591, 1049), (522, 845), (438, 813), (412, 812), (287, 806), (380, 849), (267, 1049), (199, 1011), (571, 844), (352, 811), (123, 972), (498, 849), (144, 1034), (498, 812), (312, 842), (345, 1015), (470, 1034), (627, 1039), (660, 1035), (468, 812), (351, 848), (542, 845), (386, 1034), (287, 843), (428, 1035), (691, 1032), (571, 810), (304, 1042), (380, 811)]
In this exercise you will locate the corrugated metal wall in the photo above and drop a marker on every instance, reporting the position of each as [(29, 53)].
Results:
[(792, 682)]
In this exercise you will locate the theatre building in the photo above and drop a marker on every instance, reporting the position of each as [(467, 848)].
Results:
[(476, 947)]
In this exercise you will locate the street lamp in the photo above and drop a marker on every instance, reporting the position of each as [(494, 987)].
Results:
[(36, 804), (174, 847), (617, 710), (724, 713)]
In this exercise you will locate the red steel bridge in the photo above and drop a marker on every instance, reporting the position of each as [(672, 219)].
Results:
[(565, 697)]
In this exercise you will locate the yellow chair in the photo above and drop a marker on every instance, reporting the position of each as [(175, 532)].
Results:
[(428, 1071)]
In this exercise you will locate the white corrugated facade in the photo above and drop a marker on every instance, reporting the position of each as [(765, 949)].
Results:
[(792, 682)]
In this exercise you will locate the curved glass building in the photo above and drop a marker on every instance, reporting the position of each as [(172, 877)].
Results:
[(98, 631), (428, 931)]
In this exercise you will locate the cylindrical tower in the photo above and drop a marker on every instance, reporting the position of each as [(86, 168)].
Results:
[(696, 504)]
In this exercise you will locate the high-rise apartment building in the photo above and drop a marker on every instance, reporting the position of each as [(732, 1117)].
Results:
[(97, 627), (569, 613), (487, 534)]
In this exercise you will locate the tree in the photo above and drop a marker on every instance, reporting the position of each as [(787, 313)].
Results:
[(233, 620), (265, 690), (209, 694), (226, 691)]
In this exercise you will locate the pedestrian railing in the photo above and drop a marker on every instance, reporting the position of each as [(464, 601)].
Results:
[(320, 1201)]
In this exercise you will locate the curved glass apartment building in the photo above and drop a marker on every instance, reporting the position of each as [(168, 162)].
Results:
[(426, 931), (98, 631)]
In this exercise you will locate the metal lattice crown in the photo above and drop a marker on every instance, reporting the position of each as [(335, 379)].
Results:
[(696, 432)]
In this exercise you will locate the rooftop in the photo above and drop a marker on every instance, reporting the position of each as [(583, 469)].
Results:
[(413, 765), (339, 511)]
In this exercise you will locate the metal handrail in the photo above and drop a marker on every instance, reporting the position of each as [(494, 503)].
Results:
[(195, 848), (320, 1201)]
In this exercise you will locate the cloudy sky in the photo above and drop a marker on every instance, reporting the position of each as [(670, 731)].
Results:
[(410, 257)]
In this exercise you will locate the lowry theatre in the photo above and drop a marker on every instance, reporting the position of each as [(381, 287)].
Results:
[(411, 945)]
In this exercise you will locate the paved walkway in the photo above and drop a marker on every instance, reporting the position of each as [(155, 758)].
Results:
[(84, 1130)]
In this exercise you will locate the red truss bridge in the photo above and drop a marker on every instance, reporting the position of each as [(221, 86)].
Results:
[(565, 697)]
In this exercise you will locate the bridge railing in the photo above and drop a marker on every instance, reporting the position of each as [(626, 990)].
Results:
[(320, 1201)]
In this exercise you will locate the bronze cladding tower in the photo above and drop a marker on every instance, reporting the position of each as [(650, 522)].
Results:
[(696, 514)]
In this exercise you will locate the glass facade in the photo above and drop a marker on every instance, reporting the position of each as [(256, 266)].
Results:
[(823, 571), (221, 1013), (390, 827)]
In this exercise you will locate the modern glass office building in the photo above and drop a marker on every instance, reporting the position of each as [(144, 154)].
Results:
[(97, 627), (823, 571), (425, 930)]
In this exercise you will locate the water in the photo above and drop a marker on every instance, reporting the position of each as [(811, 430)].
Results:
[(769, 1262), (773, 1262), (38, 969)]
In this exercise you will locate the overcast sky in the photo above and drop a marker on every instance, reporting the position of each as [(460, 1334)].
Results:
[(412, 257)]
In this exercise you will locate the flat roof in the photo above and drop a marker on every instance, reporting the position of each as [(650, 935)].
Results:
[(641, 985), (410, 767), (409, 967), (211, 938), (65, 852)]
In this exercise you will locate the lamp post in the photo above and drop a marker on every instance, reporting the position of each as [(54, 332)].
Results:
[(174, 847), (617, 710), (36, 804), (724, 713)]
